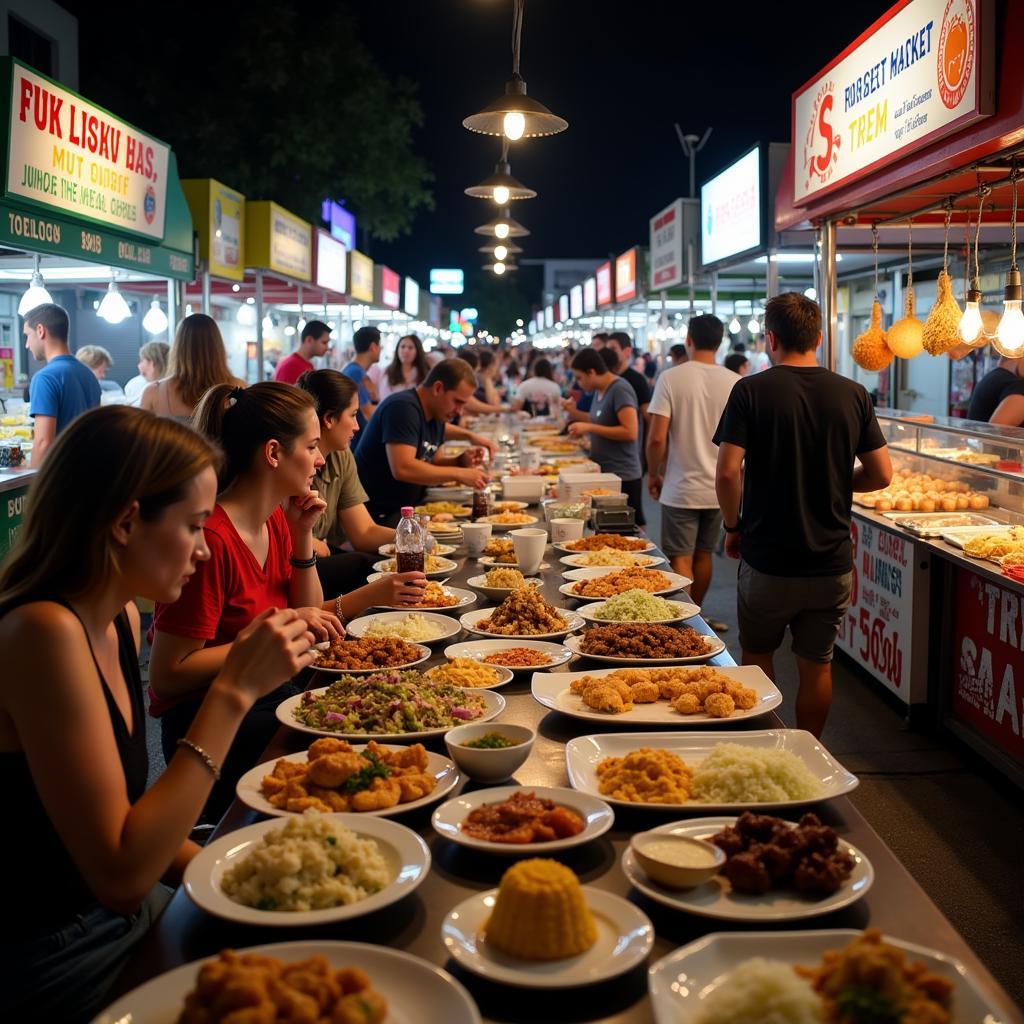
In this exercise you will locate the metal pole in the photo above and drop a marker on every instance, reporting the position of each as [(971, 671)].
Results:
[(259, 325), (772, 277), (172, 307), (828, 297), (714, 293), (206, 289), (690, 275)]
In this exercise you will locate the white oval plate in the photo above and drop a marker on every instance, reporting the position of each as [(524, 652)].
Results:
[(504, 678), (575, 561), (498, 593), (448, 818), (466, 598), (494, 703), (552, 690), (450, 494), (573, 576), (568, 549), (717, 899), (574, 643), (509, 505), (492, 564), (583, 754), (680, 982), (417, 992), (442, 768), (406, 854), (388, 550), (469, 620), (446, 570), (480, 649), (445, 623), (424, 656), (625, 938), (501, 527), (465, 511), (684, 609)]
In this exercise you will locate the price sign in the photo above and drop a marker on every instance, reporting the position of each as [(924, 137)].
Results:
[(878, 629)]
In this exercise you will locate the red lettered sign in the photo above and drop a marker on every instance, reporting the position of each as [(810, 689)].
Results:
[(988, 679)]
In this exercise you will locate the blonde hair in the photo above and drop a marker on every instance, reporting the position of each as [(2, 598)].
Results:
[(198, 360), (156, 352), (150, 459), (94, 356)]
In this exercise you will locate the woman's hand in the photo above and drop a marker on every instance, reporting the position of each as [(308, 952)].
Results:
[(270, 650), (322, 624), (398, 588), (578, 428), (302, 512)]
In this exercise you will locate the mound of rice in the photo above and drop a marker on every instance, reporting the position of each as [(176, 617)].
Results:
[(414, 627), (761, 991), (735, 774)]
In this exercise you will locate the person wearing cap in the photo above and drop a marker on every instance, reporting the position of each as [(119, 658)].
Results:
[(366, 342), (315, 340)]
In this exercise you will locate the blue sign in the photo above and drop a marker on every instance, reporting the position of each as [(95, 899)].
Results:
[(342, 224), (447, 282)]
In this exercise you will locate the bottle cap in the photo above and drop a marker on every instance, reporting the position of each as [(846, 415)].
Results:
[(407, 510)]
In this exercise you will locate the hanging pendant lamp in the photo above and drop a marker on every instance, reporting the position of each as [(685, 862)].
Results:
[(503, 226), (1009, 337), (500, 250)]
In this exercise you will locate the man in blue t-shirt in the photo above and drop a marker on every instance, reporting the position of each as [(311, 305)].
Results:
[(366, 342), (64, 387), (399, 453)]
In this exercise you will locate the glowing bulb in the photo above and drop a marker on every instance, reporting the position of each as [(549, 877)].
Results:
[(268, 324), (811, 293), (970, 322), (501, 229), (113, 307), (1009, 339), (753, 326), (155, 320), (501, 194), (246, 315), (500, 252), (36, 295), (514, 125), (499, 268), (734, 326)]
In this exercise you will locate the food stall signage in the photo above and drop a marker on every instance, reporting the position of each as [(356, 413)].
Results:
[(390, 288), (278, 240), (218, 213), (446, 282), (66, 154), (411, 301), (730, 210), (603, 275), (876, 630), (919, 73), (589, 295), (576, 300), (549, 316), (540, 319), (331, 271), (625, 276), (360, 270), (341, 222), (667, 247), (563, 308), (988, 678)]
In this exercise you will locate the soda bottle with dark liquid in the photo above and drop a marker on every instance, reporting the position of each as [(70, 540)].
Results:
[(409, 555), (481, 503)]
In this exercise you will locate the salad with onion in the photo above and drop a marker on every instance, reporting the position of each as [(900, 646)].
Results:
[(388, 702)]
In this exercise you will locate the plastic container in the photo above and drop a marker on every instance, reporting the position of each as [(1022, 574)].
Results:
[(523, 488), (571, 485), (410, 544)]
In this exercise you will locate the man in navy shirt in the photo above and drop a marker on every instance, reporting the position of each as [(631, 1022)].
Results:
[(399, 453), (64, 387), (366, 342)]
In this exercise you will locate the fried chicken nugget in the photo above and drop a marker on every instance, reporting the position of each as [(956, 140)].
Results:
[(271, 784), (605, 698), (410, 757), (332, 770), (686, 704), (719, 705), (331, 797), (644, 693), (415, 786), (706, 687), (745, 698), (577, 686), (328, 745), (383, 793)]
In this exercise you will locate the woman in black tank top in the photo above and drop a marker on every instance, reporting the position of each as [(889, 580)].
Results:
[(92, 844)]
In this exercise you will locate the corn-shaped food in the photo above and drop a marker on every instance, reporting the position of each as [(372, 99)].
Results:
[(941, 328), (870, 351), (540, 913), (906, 336)]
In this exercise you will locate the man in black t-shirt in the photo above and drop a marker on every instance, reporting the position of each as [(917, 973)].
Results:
[(989, 399), (787, 443), (621, 344)]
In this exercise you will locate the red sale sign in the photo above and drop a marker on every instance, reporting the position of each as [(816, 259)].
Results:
[(988, 680)]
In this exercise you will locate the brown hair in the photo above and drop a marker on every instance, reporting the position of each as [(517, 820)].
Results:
[(242, 420), (150, 459), (331, 390), (198, 360), (451, 373), (396, 373), (795, 320), (156, 352)]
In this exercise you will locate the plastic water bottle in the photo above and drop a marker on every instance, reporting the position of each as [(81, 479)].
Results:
[(428, 538), (409, 546)]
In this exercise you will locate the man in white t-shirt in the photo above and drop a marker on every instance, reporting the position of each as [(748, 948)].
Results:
[(687, 405), (758, 357)]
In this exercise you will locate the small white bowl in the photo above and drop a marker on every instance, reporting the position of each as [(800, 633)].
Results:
[(675, 876), (484, 763)]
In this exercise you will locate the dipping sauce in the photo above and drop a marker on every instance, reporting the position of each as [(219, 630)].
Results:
[(491, 741), (680, 853)]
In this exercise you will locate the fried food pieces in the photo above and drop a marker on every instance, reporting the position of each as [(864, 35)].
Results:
[(690, 691), (368, 652), (647, 776), (631, 578), (252, 989), (337, 778), (607, 540), (644, 640), (765, 853), (523, 613), (522, 818)]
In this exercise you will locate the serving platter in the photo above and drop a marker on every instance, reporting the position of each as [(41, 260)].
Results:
[(684, 610), (424, 655), (577, 561), (470, 619), (448, 626), (569, 549), (715, 647), (446, 569), (481, 649), (466, 598)]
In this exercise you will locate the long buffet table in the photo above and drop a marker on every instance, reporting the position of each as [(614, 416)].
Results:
[(896, 903)]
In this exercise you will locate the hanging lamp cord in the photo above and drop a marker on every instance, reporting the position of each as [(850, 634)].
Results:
[(874, 249), (945, 240), (910, 253), (1014, 175), (977, 231), (518, 9)]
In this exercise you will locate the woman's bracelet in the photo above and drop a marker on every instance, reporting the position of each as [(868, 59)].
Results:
[(203, 756), (338, 610), (303, 563)]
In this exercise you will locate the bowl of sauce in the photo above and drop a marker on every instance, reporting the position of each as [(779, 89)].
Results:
[(490, 751), (677, 862)]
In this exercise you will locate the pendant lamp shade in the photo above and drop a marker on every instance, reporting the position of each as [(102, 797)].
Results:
[(516, 115), (501, 186), (502, 227)]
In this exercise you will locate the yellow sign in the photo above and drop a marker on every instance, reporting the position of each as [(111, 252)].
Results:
[(360, 276), (278, 240), (218, 213)]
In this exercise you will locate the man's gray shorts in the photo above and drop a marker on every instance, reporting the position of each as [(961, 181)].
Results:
[(811, 606), (685, 530)]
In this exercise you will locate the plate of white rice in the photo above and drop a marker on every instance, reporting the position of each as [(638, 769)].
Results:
[(416, 627), (311, 869)]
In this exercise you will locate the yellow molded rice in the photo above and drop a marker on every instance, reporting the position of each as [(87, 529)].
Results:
[(414, 627), (761, 991), (735, 774)]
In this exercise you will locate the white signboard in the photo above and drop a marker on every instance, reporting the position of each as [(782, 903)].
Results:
[(446, 282), (590, 295), (330, 263), (411, 303), (667, 247), (730, 210), (576, 301), (920, 72), (69, 155)]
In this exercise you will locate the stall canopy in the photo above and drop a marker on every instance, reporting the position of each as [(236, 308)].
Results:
[(80, 182), (219, 216)]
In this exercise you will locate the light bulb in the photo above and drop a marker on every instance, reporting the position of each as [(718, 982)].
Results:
[(514, 125), (753, 326), (499, 268), (501, 229), (811, 293), (1009, 339), (970, 322), (500, 252), (112, 307), (501, 194), (246, 315), (155, 320), (734, 326), (268, 324), (36, 295)]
